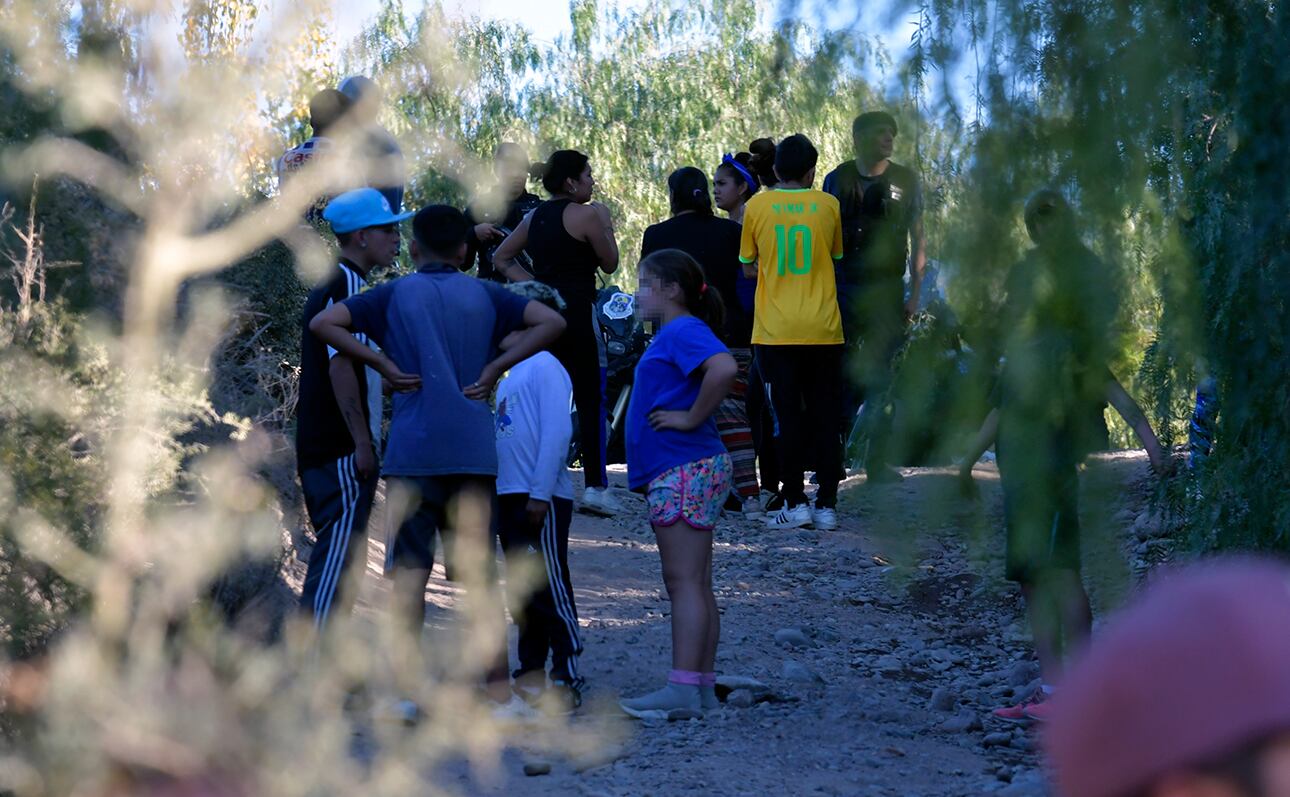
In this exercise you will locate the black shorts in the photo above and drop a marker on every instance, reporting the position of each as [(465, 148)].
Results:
[(1041, 507), (434, 507)]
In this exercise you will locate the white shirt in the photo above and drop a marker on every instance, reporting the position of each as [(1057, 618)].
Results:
[(534, 429)]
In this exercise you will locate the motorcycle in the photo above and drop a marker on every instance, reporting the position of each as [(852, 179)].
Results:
[(625, 339)]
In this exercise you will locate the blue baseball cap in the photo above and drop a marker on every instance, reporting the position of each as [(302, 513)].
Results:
[(360, 209)]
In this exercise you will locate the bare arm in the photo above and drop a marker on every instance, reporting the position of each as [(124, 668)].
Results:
[(917, 264), (719, 372), (597, 228), (504, 258), (331, 326), (1137, 420), (750, 269), (344, 384), (543, 324)]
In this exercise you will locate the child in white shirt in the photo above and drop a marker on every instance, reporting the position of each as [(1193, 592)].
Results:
[(535, 499)]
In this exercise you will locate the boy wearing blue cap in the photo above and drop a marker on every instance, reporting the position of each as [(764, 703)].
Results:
[(338, 414), (440, 331)]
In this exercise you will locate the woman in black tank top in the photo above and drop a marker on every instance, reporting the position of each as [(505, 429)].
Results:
[(568, 238)]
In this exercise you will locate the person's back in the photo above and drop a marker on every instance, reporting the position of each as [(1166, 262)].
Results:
[(535, 502), (532, 407), (559, 259), (442, 325), (794, 235), (714, 244)]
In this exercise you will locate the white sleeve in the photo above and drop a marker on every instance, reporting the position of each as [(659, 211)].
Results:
[(555, 430)]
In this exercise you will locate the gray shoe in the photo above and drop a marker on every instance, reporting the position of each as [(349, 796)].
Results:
[(672, 701), (708, 698)]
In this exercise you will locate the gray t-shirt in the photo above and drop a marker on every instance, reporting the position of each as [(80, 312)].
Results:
[(444, 326)]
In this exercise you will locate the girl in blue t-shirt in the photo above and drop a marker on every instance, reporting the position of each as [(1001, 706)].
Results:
[(675, 456)]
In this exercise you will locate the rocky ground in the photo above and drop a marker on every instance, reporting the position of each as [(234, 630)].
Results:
[(860, 662)]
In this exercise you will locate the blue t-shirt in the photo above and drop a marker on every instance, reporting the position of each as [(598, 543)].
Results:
[(444, 326), (668, 378)]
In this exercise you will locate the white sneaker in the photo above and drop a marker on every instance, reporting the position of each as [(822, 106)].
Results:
[(599, 501), (515, 710), (752, 509), (791, 517), (824, 519)]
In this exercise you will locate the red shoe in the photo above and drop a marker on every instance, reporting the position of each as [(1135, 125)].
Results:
[(1021, 711), (1039, 712)]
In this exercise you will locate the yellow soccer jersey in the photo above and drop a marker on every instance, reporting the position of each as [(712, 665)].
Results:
[(794, 235)]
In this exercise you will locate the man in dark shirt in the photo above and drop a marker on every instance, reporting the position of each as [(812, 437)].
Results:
[(497, 213), (882, 231), (338, 414)]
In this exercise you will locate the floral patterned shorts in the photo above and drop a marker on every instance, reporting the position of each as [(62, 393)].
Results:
[(694, 492)]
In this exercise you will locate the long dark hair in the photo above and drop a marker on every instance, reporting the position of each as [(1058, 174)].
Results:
[(689, 189), (564, 164), (674, 267), (763, 161)]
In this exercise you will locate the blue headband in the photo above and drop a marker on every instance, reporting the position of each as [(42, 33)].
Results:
[(729, 160)]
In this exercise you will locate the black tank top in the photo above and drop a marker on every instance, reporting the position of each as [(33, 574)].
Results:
[(559, 259)]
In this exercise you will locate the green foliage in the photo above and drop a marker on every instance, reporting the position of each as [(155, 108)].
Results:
[(61, 404), (642, 93), (59, 486), (258, 363), (1163, 120)]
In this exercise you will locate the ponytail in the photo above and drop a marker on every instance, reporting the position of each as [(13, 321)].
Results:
[(688, 190), (762, 161), (562, 166), (674, 267)]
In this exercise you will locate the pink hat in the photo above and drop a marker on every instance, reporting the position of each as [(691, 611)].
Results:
[(1194, 670)]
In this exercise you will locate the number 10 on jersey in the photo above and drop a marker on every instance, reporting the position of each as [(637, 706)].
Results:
[(793, 245)]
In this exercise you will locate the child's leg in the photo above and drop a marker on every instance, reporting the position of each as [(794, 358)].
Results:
[(415, 513), (714, 619), (526, 583), (763, 430), (780, 372), (1076, 614), (339, 504), (1043, 606), (822, 392), (562, 629), (1073, 604), (685, 552), (471, 524)]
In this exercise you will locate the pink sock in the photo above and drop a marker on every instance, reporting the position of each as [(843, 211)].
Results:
[(707, 679), (685, 677)]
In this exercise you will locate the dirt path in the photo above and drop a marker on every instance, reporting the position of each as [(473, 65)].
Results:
[(881, 646)]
